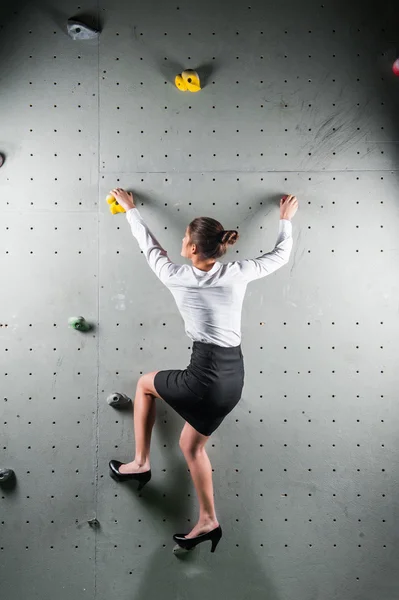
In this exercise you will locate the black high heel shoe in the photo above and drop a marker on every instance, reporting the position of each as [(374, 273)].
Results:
[(142, 478), (189, 543)]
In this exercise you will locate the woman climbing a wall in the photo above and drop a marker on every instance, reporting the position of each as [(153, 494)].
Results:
[(209, 295)]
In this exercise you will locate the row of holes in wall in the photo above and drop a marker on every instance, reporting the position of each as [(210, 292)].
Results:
[(190, 347), (187, 9), (213, 180), (141, 252), (285, 372), (2, 548), (297, 32), (214, 108), (236, 545), (358, 80), (365, 152), (333, 445), (166, 348), (165, 227)]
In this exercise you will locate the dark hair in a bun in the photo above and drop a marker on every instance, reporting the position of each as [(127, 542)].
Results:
[(210, 237), (229, 237)]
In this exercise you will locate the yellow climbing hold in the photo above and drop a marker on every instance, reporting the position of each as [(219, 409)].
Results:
[(114, 205), (188, 81), (180, 84)]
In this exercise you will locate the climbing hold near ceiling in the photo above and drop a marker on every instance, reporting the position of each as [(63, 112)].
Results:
[(79, 31), (188, 81)]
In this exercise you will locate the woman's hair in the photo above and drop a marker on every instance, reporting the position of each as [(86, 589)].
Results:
[(210, 237)]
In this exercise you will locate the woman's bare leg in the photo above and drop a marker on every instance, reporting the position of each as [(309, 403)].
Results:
[(144, 414), (144, 419), (192, 444)]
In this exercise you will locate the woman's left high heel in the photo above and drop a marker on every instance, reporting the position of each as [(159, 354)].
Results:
[(189, 543), (142, 478)]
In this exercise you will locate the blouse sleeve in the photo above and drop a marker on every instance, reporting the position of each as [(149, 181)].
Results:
[(255, 268), (156, 256)]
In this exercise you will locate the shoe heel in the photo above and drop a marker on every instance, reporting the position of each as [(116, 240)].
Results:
[(216, 539), (141, 485), (214, 544), (144, 480)]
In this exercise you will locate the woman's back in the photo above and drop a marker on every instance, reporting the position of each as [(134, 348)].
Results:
[(210, 302)]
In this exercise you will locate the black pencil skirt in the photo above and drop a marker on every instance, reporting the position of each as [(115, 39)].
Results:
[(208, 389)]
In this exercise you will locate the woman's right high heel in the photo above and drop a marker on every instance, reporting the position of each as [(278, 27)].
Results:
[(189, 543), (142, 478)]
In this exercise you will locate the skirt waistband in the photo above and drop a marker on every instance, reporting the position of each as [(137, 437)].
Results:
[(206, 346)]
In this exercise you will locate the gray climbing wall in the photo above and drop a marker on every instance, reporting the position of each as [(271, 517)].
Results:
[(297, 98)]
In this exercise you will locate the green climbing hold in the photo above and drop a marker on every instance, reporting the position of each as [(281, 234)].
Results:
[(79, 323)]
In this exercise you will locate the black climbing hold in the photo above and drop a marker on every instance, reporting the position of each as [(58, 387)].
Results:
[(93, 523), (6, 475)]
